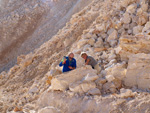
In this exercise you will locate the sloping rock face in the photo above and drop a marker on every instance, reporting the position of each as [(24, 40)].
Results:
[(116, 34), (28, 24)]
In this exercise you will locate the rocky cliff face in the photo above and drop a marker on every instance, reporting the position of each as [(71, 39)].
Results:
[(116, 34)]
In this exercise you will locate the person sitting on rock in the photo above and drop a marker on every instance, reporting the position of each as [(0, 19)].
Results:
[(91, 61), (68, 63)]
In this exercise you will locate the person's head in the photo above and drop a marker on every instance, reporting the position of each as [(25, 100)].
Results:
[(84, 55), (71, 55)]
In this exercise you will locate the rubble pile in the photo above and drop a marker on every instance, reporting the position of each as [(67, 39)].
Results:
[(116, 34)]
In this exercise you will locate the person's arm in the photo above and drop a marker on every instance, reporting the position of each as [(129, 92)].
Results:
[(62, 63), (87, 61)]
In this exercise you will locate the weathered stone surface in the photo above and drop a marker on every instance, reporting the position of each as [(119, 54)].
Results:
[(76, 87), (110, 78), (113, 36), (125, 93), (61, 82), (135, 44), (94, 91), (138, 71), (49, 109), (126, 18), (118, 70), (90, 77), (86, 86), (99, 43), (131, 8), (146, 29), (137, 29)]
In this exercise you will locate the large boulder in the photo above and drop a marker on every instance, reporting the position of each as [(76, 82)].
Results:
[(62, 81), (138, 71)]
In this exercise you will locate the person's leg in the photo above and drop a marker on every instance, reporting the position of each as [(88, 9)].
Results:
[(97, 67)]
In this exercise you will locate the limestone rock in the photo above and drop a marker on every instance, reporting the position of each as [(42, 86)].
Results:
[(146, 29), (113, 36), (143, 18), (101, 81), (126, 18), (99, 49), (76, 87), (81, 43), (90, 77), (137, 29), (94, 91), (125, 3), (135, 44), (91, 41), (144, 7), (131, 8), (62, 82), (118, 71), (99, 43), (110, 78), (86, 86), (138, 71), (107, 86), (34, 89), (125, 93), (49, 109)]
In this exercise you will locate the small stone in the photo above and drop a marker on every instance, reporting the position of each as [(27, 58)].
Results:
[(110, 78), (125, 93), (126, 18), (131, 8), (137, 29), (91, 41), (113, 36), (94, 91)]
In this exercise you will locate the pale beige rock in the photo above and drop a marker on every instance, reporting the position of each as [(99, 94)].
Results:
[(118, 71), (125, 93), (141, 44), (86, 86), (76, 87), (107, 86), (94, 91), (34, 89), (113, 36), (119, 101), (125, 3), (131, 8), (49, 109), (99, 43), (126, 18), (143, 18), (61, 82), (99, 49), (146, 29), (91, 41), (90, 77), (81, 43), (101, 81), (138, 71), (144, 7), (110, 78), (137, 29)]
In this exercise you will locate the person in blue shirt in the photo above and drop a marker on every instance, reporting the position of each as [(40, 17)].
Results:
[(68, 63)]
